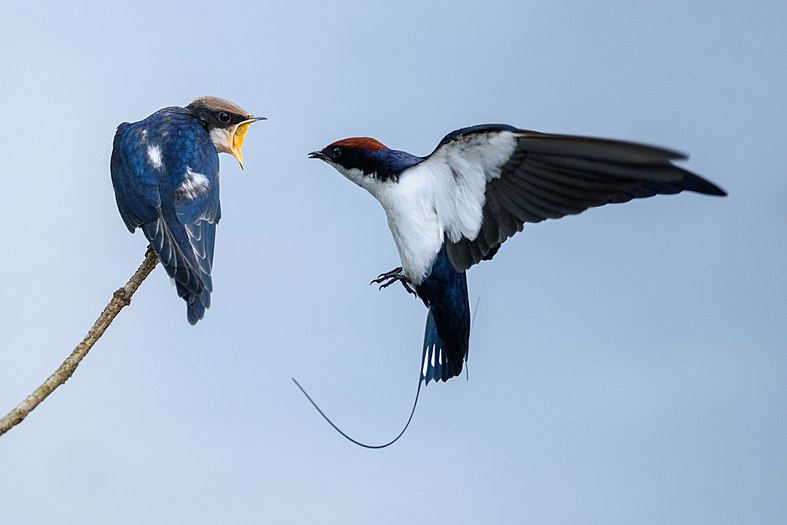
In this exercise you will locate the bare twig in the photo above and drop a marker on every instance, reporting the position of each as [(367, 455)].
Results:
[(120, 299)]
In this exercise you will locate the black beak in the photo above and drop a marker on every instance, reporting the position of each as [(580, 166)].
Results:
[(317, 155)]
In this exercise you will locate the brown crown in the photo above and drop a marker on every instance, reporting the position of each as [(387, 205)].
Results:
[(364, 143)]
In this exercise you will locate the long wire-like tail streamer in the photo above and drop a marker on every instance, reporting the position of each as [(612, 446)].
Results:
[(475, 313), (340, 431), (409, 419)]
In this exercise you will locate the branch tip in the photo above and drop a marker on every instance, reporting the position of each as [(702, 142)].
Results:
[(69, 366)]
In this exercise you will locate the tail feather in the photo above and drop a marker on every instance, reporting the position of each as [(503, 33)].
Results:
[(195, 304), (447, 333), (436, 363), (195, 309), (191, 283)]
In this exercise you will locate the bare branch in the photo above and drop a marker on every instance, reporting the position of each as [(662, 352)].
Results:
[(120, 299)]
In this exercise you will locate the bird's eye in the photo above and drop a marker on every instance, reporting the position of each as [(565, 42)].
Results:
[(223, 117), (336, 153)]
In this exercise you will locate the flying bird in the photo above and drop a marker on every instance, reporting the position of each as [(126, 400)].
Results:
[(165, 172), (455, 207)]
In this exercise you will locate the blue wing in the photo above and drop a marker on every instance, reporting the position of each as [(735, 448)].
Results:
[(165, 171), (136, 185)]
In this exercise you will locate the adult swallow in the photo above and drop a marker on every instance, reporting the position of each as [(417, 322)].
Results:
[(165, 172), (455, 207)]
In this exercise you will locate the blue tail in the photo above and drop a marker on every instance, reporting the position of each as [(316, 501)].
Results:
[(195, 304), (447, 334), (193, 282)]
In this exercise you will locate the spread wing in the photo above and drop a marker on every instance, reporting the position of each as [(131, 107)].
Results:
[(502, 177), (165, 172)]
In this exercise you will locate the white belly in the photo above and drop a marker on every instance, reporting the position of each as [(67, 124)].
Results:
[(414, 225)]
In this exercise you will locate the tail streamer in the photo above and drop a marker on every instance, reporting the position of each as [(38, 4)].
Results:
[(355, 441)]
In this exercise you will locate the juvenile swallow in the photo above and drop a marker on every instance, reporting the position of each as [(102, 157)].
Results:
[(165, 172), (455, 207)]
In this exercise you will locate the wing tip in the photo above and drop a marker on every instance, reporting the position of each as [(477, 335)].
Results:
[(697, 184)]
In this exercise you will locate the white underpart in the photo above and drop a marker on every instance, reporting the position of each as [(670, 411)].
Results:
[(154, 156), (442, 195), (194, 186), (409, 207), (221, 138)]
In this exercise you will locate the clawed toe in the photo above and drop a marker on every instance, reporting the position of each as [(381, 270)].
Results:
[(388, 278)]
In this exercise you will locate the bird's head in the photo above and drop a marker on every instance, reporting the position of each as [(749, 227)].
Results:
[(364, 160), (225, 122)]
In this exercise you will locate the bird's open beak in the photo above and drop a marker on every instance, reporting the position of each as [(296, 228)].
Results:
[(317, 155), (236, 138)]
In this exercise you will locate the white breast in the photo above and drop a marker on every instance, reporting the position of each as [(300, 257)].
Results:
[(442, 196), (412, 218), (415, 226)]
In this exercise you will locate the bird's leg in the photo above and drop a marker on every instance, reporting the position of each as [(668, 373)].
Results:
[(388, 278)]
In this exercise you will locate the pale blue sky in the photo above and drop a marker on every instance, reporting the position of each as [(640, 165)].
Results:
[(628, 365)]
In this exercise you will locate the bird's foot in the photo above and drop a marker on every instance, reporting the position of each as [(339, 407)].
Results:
[(388, 278)]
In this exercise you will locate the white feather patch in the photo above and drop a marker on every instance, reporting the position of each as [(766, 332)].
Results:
[(154, 156), (195, 185)]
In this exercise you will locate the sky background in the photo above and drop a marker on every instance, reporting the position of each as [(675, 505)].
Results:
[(628, 365)]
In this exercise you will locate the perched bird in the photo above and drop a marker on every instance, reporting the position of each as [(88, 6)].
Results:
[(455, 207), (165, 172)]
